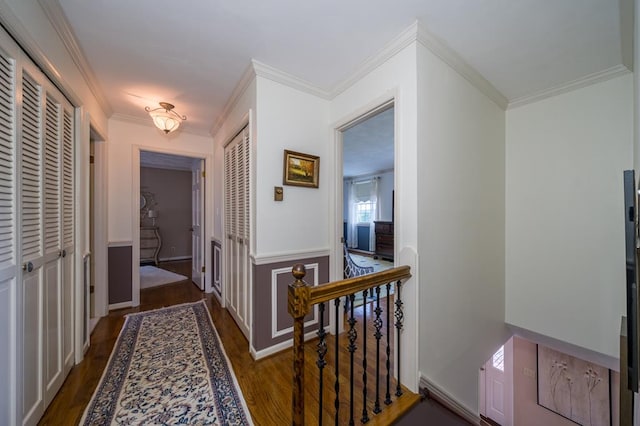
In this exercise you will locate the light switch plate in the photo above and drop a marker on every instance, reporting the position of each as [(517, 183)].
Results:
[(278, 193)]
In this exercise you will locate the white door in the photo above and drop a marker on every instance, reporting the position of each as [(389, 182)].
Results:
[(36, 197), (197, 230), (46, 236), (68, 236), (54, 297), (498, 385), (33, 260), (237, 163), (8, 255)]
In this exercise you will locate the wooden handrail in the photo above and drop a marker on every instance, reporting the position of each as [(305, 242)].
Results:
[(301, 297)]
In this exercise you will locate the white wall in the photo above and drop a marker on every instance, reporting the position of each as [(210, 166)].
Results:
[(461, 228), (395, 78), (124, 136), (290, 119), (29, 24), (565, 269), (237, 116)]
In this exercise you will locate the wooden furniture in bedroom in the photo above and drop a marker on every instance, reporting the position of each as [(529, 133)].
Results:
[(384, 240), (150, 243)]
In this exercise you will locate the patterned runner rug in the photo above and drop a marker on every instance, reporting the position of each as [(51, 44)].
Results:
[(168, 367)]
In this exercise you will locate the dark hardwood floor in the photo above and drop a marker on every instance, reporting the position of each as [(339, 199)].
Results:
[(266, 384)]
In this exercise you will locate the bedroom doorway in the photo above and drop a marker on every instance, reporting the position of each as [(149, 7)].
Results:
[(368, 183), (171, 220)]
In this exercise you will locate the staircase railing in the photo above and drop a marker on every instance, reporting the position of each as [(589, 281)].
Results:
[(302, 298)]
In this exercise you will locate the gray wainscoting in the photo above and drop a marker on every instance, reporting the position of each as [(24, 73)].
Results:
[(120, 278), (272, 323)]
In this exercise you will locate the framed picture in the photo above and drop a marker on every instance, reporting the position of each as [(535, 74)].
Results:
[(574, 388), (301, 169)]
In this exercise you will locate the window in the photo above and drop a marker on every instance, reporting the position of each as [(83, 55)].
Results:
[(365, 211), (498, 359)]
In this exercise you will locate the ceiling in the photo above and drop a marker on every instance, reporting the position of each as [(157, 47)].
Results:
[(367, 147), (193, 53), (159, 160)]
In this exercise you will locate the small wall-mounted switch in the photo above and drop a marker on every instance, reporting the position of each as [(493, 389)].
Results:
[(278, 193)]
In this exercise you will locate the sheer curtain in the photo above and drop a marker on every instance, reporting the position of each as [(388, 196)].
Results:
[(352, 226), (375, 213), (363, 208)]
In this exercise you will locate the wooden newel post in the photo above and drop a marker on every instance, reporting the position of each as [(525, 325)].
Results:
[(298, 305)]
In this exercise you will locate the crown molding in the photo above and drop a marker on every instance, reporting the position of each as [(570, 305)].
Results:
[(56, 16), (274, 74), (455, 61), (579, 83), (402, 40), (13, 25), (248, 76)]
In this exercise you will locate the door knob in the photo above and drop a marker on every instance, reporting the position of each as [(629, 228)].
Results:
[(27, 267), (64, 253)]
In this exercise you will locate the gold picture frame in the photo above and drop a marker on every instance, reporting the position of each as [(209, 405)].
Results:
[(301, 169)]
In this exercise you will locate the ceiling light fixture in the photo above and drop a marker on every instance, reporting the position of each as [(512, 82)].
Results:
[(165, 118)]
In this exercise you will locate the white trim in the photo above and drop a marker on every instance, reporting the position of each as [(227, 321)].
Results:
[(455, 61), (122, 243), (401, 41), (263, 353), (442, 396), (100, 246), (135, 192), (247, 77), (289, 256), (171, 259), (59, 21), (274, 299), (13, 25), (588, 80), (120, 305), (274, 74)]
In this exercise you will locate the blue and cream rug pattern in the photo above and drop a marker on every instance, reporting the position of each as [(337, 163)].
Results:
[(168, 366)]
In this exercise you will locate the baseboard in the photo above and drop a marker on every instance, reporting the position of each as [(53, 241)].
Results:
[(173, 259), (121, 305), (278, 347), (443, 398)]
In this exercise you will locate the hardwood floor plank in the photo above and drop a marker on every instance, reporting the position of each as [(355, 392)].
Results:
[(266, 384)]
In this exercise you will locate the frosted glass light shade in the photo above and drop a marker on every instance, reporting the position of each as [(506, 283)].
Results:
[(164, 118)]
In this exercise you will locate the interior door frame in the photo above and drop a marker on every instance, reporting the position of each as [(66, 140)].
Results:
[(335, 222), (135, 214), (87, 135), (199, 170), (336, 272)]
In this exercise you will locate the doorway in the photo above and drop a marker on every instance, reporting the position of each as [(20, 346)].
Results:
[(171, 208), (368, 177), (496, 386)]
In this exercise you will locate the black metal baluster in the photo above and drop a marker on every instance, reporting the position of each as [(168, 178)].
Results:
[(387, 399), (399, 314), (365, 414), (321, 363), (336, 385), (378, 325), (353, 335)]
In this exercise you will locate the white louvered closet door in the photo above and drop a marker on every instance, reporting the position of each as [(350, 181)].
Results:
[(31, 236), (237, 197), (8, 255), (46, 235), (36, 200), (68, 235)]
